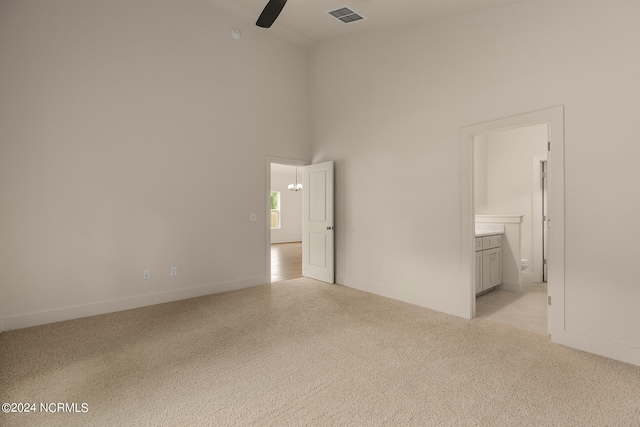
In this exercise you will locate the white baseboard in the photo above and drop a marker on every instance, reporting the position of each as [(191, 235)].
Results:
[(93, 309), (275, 242), (510, 286), (460, 310), (611, 349)]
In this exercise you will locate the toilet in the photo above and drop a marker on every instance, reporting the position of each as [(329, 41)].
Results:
[(524, 264)]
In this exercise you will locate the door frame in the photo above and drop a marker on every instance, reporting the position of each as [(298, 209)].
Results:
[(556, 284), (267, 212), (538, 225)]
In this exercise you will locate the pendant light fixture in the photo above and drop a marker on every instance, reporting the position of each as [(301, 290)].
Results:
[(296, 186)]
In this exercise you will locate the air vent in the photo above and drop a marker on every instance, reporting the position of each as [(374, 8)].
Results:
[(346, 15)]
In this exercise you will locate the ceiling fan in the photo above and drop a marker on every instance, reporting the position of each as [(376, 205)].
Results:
[(270, 13)]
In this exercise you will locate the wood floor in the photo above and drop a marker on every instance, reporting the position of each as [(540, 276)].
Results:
[(286, 261), (525, 310)]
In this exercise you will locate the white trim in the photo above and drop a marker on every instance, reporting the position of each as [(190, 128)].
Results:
[(499, 219), (615, 350), (449, 307), (536, 257), (75, 312)]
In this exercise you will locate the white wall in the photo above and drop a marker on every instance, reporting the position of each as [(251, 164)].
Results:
[(506, 158), (133, 135), (389, 107), (480, 196), (290, 204), (120, 123)]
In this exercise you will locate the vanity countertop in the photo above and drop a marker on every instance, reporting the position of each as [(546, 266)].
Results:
[(488, 229), (488, 233)]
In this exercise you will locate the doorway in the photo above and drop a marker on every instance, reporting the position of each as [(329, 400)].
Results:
[(285, 222), (317, 189), (554, 117), (504, 198)]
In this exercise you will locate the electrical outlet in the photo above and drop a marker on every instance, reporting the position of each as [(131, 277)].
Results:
[(146, 273), (174, 271)]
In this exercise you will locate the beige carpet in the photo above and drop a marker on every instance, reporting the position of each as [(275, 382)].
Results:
[(301, 352)]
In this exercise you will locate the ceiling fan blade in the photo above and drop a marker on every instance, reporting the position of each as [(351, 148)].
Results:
[(270, 13)]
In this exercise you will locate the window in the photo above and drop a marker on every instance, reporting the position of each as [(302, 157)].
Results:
[(275, 210)]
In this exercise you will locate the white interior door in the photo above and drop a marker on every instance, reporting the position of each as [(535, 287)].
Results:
[(317, 222)]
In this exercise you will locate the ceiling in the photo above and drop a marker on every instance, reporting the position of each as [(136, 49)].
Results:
[(307, 21)]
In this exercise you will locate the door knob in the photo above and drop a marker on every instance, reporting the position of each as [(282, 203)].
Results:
[(329, 228)]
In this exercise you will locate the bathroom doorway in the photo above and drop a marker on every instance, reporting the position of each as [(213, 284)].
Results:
[(554, 118), (505, 197)]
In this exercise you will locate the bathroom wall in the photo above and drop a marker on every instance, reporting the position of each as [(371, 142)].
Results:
[(290, 204), (504, 179), (480, 175)]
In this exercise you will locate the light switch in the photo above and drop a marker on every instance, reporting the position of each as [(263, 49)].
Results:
[(253, 217)]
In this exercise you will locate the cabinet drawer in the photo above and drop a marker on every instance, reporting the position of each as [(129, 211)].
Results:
[(490, 242), (478, 244)]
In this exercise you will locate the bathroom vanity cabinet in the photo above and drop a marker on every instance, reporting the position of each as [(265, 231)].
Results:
[(488, 262)]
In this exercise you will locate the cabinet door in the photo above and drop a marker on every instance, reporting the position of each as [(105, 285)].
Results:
[(496, 266), (491, 268), (478, 280), (486, 270)]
